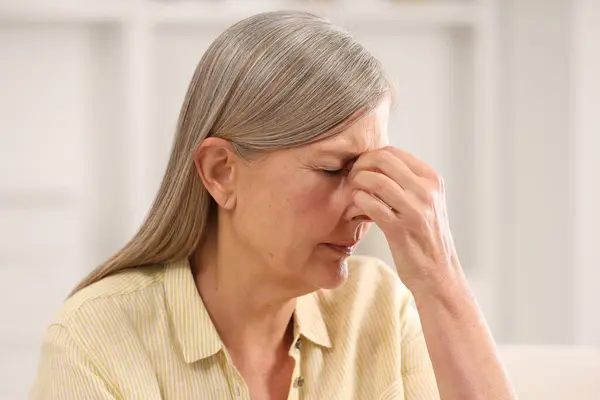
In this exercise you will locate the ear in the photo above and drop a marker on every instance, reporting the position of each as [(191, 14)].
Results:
[(216, 162)]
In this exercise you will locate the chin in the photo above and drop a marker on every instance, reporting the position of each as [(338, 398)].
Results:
[(333, 275)]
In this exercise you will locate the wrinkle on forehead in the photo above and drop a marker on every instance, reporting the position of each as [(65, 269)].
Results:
[(368, 133)]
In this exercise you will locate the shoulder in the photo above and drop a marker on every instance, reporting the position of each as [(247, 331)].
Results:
[(113, 295), (95, 335)]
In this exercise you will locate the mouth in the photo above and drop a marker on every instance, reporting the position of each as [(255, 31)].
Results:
[(342, 248)]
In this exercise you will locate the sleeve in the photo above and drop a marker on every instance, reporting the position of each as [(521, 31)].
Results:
[(65, 371), (417, 371)]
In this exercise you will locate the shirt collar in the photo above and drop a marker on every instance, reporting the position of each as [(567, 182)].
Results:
[(309, 320), (196, 332), (193, 327)]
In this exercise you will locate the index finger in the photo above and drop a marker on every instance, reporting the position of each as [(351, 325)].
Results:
[(416, 165)]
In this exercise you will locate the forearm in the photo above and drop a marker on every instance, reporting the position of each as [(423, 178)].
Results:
[(460, 345)]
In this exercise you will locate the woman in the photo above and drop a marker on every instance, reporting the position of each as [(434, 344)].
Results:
[(240, 282)]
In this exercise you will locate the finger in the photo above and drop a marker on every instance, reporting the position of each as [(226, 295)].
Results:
[(374, 208), (392, 166), (416, 165), (386, 190)]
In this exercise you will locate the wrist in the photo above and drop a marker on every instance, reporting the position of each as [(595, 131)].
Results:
[(447, 288)]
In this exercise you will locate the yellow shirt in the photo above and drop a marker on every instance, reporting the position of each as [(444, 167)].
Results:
[(145, 334)]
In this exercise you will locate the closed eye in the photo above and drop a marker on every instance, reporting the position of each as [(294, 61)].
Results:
[(337, 172), (334, 172)]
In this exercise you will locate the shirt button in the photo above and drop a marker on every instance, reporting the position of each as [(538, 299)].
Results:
[(299, 382), (298, 343)]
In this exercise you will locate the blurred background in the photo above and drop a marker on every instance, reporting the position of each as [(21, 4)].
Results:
[(502, 97)]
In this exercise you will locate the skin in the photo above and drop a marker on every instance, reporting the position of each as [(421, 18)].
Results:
[(277, 216)]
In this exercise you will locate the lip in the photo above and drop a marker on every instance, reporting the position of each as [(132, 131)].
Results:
[(343, 248)]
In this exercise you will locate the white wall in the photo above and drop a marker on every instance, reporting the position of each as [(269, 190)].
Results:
[(585, 76), (539, 169), (43, 109), (550, 119)]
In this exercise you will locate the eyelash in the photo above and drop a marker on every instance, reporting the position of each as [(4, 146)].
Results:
[(336, 172)]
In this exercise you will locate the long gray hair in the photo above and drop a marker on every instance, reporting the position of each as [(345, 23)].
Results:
[(274, 80)]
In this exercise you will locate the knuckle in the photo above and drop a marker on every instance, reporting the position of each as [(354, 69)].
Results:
[(387, 217), (429, 196)]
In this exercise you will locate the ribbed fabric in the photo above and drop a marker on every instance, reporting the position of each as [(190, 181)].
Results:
[(145, 334)]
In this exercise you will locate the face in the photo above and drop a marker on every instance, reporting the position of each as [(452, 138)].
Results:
[(294, 211)]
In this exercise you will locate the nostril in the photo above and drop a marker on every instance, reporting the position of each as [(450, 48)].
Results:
[(360, 230), (362, 218)]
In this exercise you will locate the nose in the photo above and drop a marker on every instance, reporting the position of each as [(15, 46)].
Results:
[(353, 212)]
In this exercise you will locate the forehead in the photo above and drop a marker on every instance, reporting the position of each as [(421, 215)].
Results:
[(368, 133)]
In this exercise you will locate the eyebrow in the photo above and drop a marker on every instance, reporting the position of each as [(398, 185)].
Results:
[(344, 155)]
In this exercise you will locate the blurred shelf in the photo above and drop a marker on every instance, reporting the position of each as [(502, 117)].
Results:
[(436, 13), (63, 11)]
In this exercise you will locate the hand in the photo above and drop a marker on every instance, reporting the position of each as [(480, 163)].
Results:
[(405, 198)]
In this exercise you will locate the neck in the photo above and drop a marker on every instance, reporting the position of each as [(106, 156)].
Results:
[(249, 310)]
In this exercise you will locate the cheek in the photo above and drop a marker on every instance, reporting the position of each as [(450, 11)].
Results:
[(291, 198), (307, 195)]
